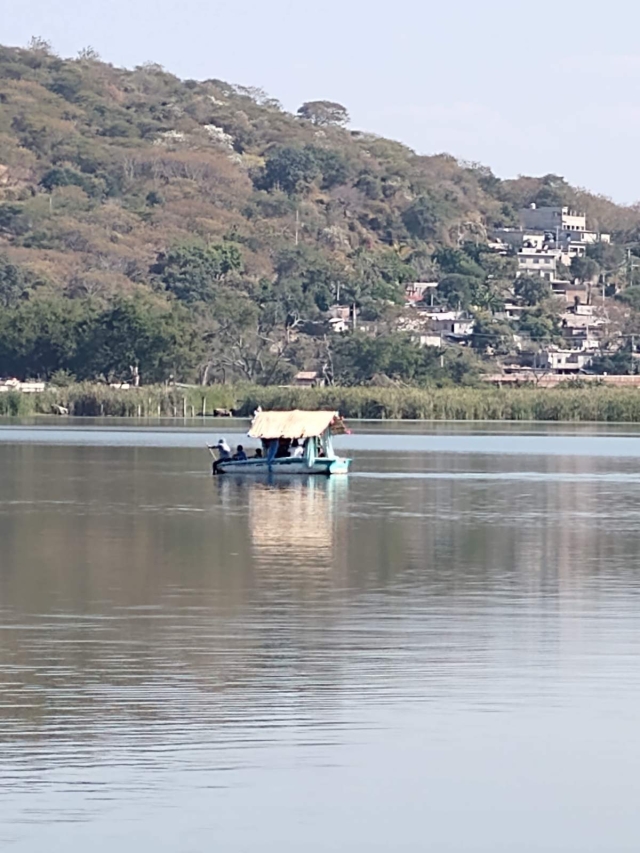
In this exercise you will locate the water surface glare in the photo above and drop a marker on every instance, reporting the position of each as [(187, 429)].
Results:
[(441, 652)]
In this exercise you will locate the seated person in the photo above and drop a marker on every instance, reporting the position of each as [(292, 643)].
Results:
[(297, 451), (258, 453), (239, 455), (283, 448)]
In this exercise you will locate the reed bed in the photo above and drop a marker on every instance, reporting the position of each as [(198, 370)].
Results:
[(593, 403)]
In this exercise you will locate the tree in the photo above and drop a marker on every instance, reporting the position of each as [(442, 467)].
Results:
[(191, 271), (289, 169), (305, 283), (423, 218), (242, 341), (541, 323), (374, 280), (358, 358), (458, 291), (140, 340), (37, 44), (456, 261), (88, 54), (618, 363), (332, 164), (15, 282), (324, 113), (531, 289), (585, 269), (491, 335), (40, 336)]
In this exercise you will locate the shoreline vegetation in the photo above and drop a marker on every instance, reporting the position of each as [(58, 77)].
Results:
[(574, 403)]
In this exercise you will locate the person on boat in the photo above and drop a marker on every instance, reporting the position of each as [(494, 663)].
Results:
[(224, 454), (283, 448), (258, 453), (239, 455), (297, 450)]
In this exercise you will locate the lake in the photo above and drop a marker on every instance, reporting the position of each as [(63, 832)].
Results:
[(440, 652)]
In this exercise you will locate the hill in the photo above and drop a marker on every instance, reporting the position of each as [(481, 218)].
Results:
[(155, 226)]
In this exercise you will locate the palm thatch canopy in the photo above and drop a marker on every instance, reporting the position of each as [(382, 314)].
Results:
[(295, 424)]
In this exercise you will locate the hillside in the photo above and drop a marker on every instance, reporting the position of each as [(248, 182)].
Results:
[(155, 226)]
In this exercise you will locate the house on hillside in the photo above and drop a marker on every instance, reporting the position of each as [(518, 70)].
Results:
[(459, 328), (338, 325), (428, 340), (564, 224), (564, 360), (538, 262), (418, 291), (573, 294), (340, 312)]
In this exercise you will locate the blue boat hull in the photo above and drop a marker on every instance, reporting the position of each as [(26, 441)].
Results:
[(287, 465)]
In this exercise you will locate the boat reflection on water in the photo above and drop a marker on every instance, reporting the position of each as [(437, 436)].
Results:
[(293, 521)]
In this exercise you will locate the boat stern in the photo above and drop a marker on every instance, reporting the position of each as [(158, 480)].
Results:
[(339, 465)]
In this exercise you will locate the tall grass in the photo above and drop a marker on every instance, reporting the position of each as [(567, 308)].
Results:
[(594, 403), (458, 403)]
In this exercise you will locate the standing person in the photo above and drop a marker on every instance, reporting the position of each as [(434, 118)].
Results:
[(224, 454)]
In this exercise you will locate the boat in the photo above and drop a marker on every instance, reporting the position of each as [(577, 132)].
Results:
[(312, 432)]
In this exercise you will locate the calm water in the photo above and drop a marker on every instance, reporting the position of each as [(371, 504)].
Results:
[(440, 653)]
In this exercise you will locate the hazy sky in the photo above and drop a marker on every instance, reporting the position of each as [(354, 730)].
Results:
[(523, 88)]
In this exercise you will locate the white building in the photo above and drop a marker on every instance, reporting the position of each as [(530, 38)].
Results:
[(458, 327), (29, 387), (536, 262), (562, 223), (338, 325), (564, 360), (429, 340)]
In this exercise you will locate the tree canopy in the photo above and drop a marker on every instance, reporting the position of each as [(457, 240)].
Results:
[(152, 226), (324, 113)]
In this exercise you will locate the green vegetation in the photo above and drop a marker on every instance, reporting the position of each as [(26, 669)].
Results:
[(154, 229), (569, 403)]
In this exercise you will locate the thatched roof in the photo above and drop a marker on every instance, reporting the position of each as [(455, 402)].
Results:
[(295, 424)]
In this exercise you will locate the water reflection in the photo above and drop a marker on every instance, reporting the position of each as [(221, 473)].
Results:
[(296, 522), (178, 652)]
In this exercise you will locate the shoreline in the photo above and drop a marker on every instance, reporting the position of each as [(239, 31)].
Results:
[(456, 404)]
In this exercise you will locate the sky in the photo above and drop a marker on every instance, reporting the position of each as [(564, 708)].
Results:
[(523, 88)]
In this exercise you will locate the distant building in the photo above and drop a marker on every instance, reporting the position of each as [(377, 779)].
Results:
[(564, 360), (536, 262), (565, 225), (458, 327), (342, 312), (551, 218), (308, 379), (28, 387), (417, 291), (338, 325), (429, 340), (442, 314), (573, 294)]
